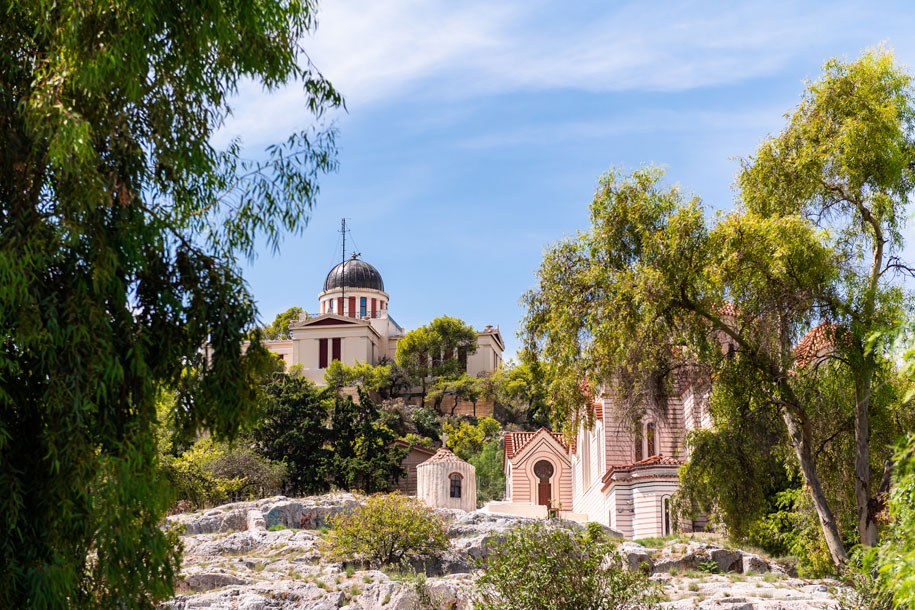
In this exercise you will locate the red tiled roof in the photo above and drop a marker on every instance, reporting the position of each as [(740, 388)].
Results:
[(419, 448), (515, 441), (821, 337), (443, 455), (655, 460)]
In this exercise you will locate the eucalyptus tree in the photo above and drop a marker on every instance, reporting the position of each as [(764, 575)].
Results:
[(120, 229), (655, 292)]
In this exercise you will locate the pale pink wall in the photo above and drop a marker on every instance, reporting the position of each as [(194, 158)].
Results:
[(524, 482)]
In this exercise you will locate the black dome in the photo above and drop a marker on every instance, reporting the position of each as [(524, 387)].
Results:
[(356, 274)]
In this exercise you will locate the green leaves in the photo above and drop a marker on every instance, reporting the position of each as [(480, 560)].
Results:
[(387, 530), (546, 566), (119, 234)]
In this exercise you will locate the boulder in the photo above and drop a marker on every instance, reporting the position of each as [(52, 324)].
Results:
[(636, 557), (727, 560), (753, 563), (256, 520)]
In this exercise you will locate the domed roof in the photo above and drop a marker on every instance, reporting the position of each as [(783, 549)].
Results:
[(354, 273)]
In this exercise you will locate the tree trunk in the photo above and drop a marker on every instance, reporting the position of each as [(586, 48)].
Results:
[(867, 526), (800, 441)]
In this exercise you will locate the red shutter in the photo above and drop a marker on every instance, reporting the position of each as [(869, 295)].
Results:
[(340, 306), (374, 306), (336, 348), (322, 353), (352, 307)]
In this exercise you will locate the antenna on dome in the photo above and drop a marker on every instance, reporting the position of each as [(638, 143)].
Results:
[(343, 262)]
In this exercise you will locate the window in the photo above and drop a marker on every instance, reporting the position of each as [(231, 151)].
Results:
[(374, 307), (336, 348), (665, 506), (322, 353), (362, 307), (638, 447), (329, 305), (455, 485), (352, 307), (649, 436)]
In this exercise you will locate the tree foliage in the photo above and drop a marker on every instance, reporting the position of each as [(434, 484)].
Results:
[(435, 350), (543, 566), (294, 430), (364, 456), (119, 236), (467, 439), (386, 530), (279, 329), (655, 292)]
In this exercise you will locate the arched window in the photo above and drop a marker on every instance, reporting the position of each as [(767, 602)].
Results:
[(665, 507), (455, 484)]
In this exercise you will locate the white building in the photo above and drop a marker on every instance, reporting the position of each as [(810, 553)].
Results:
[(354, 325)]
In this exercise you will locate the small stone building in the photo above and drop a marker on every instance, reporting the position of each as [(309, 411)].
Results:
[(417, 455), (447, 481)]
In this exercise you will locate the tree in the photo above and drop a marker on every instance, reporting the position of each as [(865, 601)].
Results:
[(560, 569), (280, 327), (293, 430), (467, 440), (846, 160), (364, 454), (387, 530), (654, 291), (490, 476), (119, 236), (436, 350)]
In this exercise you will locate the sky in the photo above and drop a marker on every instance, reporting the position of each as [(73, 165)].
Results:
[(475, 132)]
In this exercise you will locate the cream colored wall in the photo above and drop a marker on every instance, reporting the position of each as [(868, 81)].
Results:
[(368, 293), (434, 485)]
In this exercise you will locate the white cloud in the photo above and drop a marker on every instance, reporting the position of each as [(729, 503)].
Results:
[(380, 51)]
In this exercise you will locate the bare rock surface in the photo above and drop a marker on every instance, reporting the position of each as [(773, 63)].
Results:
[(265, 555)]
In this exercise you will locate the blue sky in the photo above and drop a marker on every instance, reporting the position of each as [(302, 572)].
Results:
[(476, 131)]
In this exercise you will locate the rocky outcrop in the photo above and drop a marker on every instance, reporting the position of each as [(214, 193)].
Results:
[(266, 555)]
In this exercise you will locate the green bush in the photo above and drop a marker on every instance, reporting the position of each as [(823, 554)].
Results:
[(386, 530), (539, 566)]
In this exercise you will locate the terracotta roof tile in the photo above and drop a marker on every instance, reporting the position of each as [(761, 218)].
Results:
[(515, 441), (443, 455), (655, 460), (821, 337)]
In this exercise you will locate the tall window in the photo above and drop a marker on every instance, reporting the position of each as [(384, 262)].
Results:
[(456, 485), (649, 437), (335, 346), (638, 447), (322, 353), (362, 307), (665, 506)]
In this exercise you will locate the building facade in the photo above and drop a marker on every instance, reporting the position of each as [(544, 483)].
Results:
[(620, 475), (354, 325)]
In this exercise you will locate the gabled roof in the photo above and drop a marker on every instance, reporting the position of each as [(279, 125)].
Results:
[(443, 455), (325, 319), (649, 462), (516, 442), (417, 448), (823, 336)]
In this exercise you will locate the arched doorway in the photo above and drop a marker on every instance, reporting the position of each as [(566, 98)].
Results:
[(543, 470)]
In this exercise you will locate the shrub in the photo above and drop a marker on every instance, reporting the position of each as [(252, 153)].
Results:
[(386, 530), (540, 566)]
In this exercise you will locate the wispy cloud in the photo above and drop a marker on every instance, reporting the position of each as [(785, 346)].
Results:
[(386, 52), (377, 50)]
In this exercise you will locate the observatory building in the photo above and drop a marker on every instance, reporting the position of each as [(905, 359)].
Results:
[(354, 325)]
